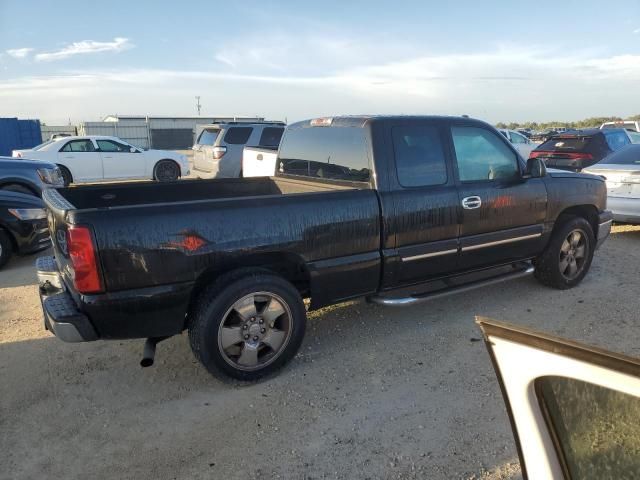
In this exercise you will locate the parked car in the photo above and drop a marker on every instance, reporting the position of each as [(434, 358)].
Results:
[(56, 136), (621, 170), (100, 158), (30, 177), (218, 148), (575, 151), (23, 225), (397, 209), (573, 408), (633, 125), (521, 142)]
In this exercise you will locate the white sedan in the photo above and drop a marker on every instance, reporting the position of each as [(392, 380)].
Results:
[(98, 158), (521, 143)]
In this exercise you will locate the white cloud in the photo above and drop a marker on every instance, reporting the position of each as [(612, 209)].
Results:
[(85, 47), (636, 31), (19, 52), (505, 84)]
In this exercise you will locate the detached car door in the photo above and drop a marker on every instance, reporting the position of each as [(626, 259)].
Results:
[(118, 160), (574, 409), (502, 213), (82, 159)]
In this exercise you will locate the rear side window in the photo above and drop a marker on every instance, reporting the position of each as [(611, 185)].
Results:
[(419, 155), (79, 146), (208, 136), (271, 137), (617, 140), (238, 135), (110, 146), (337, 153)]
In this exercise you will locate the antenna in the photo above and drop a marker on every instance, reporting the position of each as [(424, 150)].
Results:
[(198, 106)]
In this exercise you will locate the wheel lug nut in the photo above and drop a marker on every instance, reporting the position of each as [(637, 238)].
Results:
[(255, 338), (244, 327), (246, 337), (262, 330), (261, 320)]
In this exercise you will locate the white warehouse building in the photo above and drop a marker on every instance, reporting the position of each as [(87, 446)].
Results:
[(167, 133)]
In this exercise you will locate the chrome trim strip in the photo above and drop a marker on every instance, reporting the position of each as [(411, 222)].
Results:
[(500, 242), (604, 223), (429, 255)]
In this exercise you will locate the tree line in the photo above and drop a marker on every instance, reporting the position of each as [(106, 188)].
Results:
[(586, 123)]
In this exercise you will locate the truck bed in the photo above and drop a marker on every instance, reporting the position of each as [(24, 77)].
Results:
[(146, 193)]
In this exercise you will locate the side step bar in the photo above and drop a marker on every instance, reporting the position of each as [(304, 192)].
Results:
[(413, 300)]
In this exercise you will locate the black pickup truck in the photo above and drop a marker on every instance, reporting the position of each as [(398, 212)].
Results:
[(395, 209)]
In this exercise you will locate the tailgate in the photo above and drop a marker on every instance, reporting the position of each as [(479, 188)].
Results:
[(57, 209)]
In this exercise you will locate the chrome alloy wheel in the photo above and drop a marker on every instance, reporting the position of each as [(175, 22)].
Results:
[(573, 254), (254, 331)]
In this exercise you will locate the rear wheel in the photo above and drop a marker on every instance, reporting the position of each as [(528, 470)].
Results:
[(567, 258), (67, 178), (166, 171), (6, 248), (246, 326)]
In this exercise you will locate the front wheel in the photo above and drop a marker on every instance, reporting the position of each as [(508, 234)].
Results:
[(247, 326), (166, 171), (567, 258)]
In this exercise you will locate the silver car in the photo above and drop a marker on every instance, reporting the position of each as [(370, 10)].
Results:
[(217, 152), (621, 170)]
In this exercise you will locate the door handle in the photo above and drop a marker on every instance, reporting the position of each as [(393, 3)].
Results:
[(108, 156), (69, 156), (470, 203)]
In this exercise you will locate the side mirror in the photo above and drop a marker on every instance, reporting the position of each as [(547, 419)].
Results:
[(536, 168)]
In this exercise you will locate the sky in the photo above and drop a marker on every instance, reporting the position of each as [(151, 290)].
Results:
[(64, 61)]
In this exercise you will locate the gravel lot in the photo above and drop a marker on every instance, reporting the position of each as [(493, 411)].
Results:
[(374, 393)]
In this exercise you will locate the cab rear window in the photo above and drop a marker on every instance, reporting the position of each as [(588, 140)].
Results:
[(336, 153)]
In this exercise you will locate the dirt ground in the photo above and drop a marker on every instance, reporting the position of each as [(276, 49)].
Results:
[(374, 393)]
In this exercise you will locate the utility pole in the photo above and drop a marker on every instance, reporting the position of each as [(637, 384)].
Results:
[(198, 106)]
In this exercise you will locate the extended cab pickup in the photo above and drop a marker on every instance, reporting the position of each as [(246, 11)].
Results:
[(396, 209)]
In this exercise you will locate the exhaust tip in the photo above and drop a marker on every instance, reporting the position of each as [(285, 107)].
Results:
[(146, 362)]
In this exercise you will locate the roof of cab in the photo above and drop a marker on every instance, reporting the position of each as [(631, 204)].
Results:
[(363, 120)]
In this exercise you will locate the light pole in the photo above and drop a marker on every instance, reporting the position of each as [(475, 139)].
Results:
[(198, 106)]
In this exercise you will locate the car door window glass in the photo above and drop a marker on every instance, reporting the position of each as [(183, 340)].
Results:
[(238, 135), (419, 155), (79, 146), (271, 137), (481, 155), (111, 146), (596, 428)]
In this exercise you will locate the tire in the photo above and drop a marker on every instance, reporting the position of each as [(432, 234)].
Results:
[(555, 266), (166, 171), (247, 325), (67, 178), (6, 248), (14, 187)]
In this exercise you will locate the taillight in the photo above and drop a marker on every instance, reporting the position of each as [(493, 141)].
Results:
[(535, 154), (218, 152), (562, 155), (82, 254)]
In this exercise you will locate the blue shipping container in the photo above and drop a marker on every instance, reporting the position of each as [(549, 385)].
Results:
[(17, 134)]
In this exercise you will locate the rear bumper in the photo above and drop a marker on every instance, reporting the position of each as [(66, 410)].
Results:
[(604, 227), (61, 315), (624, 209), (139, 313)]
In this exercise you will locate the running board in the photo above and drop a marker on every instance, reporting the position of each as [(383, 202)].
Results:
[(415, 299)]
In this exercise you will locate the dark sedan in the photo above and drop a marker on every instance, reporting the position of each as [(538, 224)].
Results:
[(23, 225), (28, 176)]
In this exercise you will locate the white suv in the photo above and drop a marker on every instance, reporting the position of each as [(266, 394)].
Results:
[(217, 152)]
